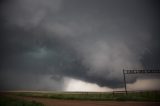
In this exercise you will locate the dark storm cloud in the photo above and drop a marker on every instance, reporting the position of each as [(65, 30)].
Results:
[(44, 41)]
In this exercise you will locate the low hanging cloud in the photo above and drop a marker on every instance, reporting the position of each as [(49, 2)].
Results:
[(92, 41)]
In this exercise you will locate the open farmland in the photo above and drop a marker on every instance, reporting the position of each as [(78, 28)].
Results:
[(88, 99), (99, 96)]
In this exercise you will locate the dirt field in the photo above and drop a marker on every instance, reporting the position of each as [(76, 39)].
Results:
[(53, 102)]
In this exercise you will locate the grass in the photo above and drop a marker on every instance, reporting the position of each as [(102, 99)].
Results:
[(134, 96), (8, 101)]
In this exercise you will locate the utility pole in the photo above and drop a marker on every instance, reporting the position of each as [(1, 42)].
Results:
[(140, 71), (124, 81)]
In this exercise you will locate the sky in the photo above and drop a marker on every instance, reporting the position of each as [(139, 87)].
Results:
[(78, 45)]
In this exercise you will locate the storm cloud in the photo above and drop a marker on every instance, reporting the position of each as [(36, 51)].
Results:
[(45, 41)]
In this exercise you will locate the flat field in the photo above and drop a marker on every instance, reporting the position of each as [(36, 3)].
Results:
[(87, 98), (99, 96)]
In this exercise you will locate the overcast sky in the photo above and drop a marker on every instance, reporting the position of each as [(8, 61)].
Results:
[(66, 44)]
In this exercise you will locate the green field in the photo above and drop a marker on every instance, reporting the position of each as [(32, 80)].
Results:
[(8, 101), (102, 96)]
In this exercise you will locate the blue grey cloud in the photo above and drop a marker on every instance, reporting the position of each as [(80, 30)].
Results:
[(90, 40)]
